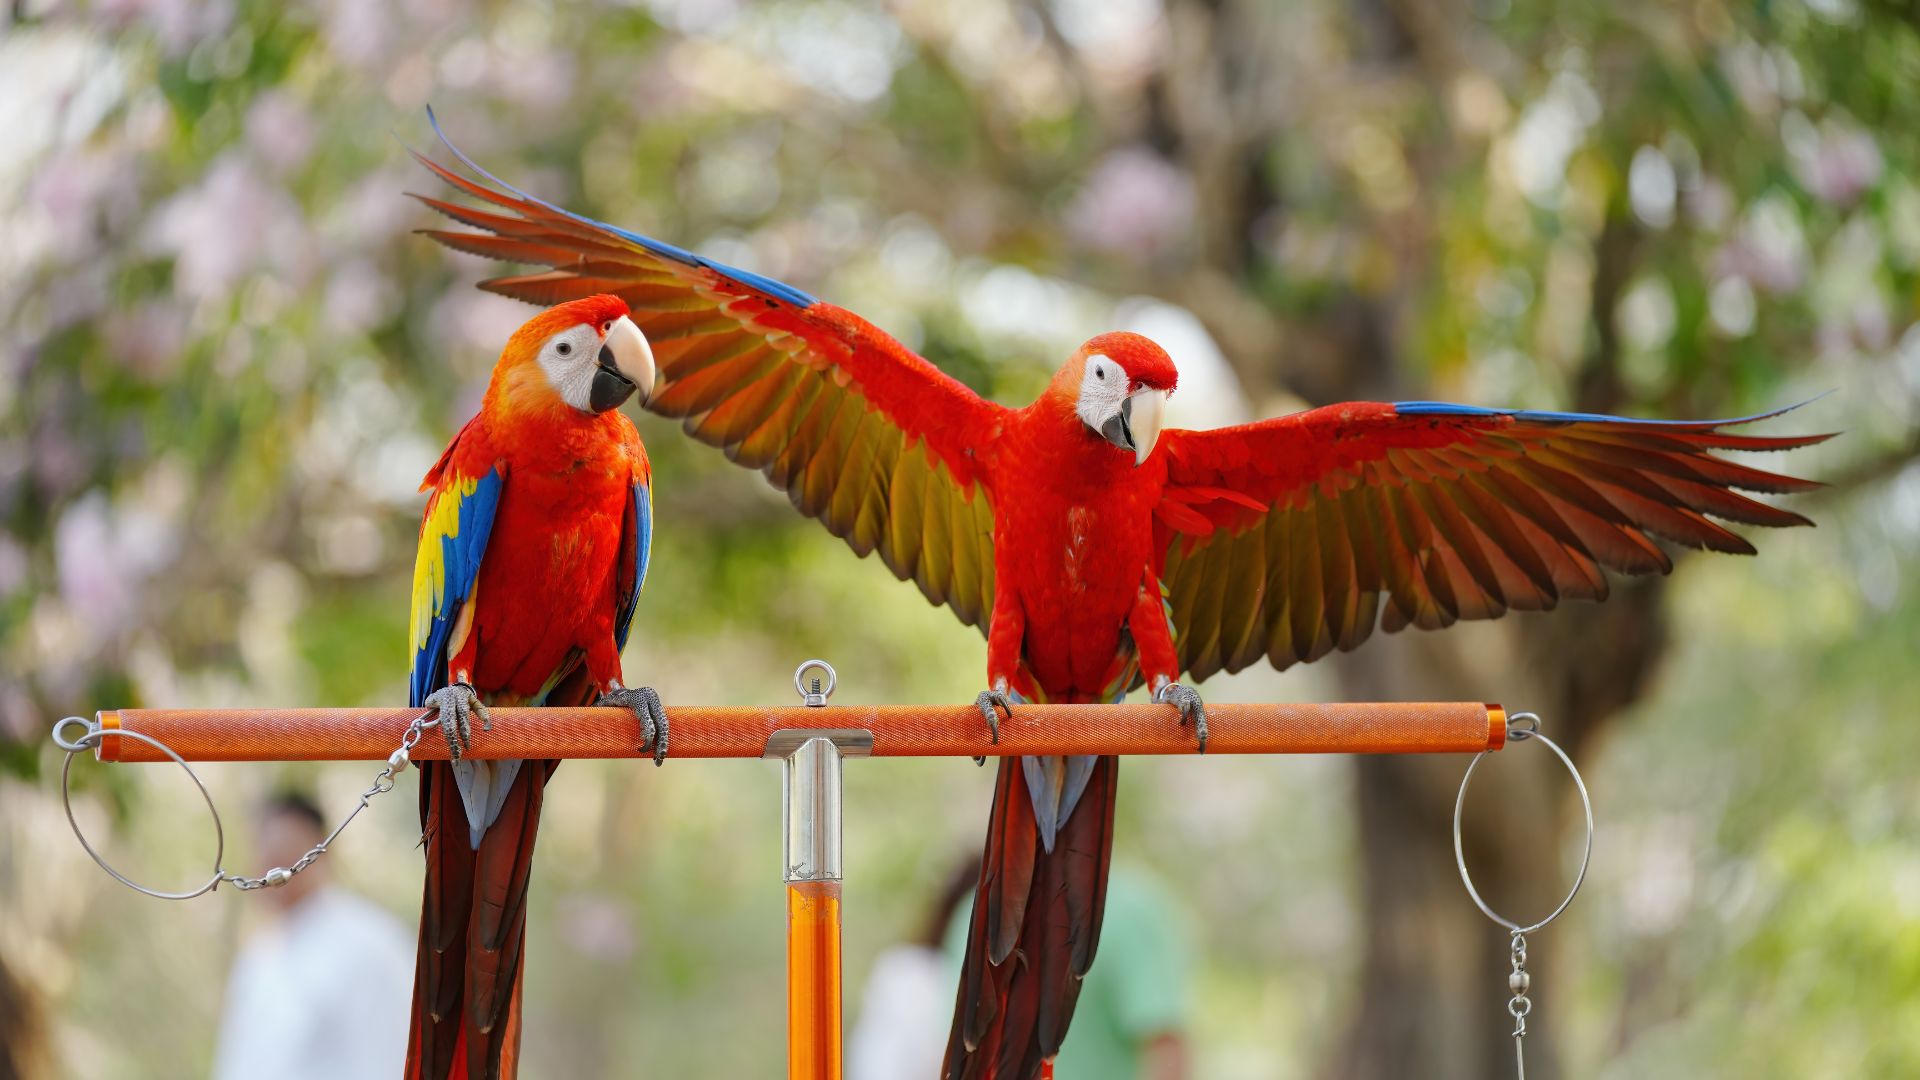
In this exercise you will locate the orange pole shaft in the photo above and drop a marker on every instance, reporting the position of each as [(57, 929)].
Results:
[(813, 980), (810, 865), (898, 731)]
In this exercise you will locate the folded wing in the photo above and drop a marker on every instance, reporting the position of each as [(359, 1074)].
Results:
[(463, 493)]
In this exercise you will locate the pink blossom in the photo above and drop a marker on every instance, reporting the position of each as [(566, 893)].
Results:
[(95, 583), (104, 553), (358, 297), (72, 188), (597, 926), (177, 24), (1839, 165), (1135, 203), (280, 131), (229, 225), (147, 339), (13, 566), (358, 31), (19, 718)]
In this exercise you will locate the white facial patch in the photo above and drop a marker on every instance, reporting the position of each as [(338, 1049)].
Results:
[(569, 360), (1102, 388)]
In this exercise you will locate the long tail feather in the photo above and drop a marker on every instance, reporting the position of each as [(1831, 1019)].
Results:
[(473, 926), (1034, 928)]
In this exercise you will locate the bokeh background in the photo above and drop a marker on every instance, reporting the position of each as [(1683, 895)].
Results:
[(227, 362)]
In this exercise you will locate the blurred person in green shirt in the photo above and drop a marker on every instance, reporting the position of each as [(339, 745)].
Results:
[(1131, 1020)]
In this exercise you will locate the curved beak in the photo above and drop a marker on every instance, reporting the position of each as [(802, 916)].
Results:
[(1135, 425), (625, 365), (1148, 410)]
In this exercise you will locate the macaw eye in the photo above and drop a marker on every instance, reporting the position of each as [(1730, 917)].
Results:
[(564, 349), (606, 328), (1099, 373)]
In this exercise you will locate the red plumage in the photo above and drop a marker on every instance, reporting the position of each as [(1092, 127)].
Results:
[(532, 547), (1093, 568)]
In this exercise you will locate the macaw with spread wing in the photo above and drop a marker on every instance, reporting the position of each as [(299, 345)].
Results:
[(1100, 553), (533, 548)]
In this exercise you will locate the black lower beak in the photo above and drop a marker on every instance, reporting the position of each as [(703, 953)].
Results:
[(1118, 429), (610, 388)]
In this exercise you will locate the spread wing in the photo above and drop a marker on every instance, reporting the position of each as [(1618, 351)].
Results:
[(1291, 537), (453, 540), (857, 429)]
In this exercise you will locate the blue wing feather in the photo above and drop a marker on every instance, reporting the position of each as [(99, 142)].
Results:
[(641, 549), (1447, 408), (452, 542)]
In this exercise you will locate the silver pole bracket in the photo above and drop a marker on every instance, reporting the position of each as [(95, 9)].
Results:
[(810, 780), (851, 742)]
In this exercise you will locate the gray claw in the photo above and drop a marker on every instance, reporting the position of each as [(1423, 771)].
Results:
[(991, 704), (456, 702), (645, 705), (1191, 710)]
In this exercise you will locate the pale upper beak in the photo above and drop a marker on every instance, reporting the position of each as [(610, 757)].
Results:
[(1135, 425), (627, 352)]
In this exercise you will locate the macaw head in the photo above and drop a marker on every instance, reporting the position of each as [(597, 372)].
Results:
[(1120, 383), (584, 354)]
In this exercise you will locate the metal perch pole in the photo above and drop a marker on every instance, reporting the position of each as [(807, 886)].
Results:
[(704, 731), (811, 739)]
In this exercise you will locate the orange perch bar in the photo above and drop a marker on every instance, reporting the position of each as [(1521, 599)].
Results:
[(742, 732)]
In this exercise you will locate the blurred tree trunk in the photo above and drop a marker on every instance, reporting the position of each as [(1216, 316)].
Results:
[(23, 1049), (1433, 991)]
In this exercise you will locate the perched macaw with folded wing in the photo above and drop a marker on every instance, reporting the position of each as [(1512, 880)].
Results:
[(1099, 553), (532, 551)]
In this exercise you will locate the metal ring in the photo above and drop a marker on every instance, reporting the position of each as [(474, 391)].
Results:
[(1459, 853), (87, 742), (73, 746), (800, 685)]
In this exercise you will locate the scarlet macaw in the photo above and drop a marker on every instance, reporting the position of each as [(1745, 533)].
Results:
[(1100, 553), (533, 548)]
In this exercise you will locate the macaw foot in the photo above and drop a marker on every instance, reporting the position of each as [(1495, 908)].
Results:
[(991, 704), (1191, 710), (644, 703), (458, 703)]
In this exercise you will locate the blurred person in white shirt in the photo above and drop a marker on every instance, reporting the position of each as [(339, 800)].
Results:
[(324, 989)]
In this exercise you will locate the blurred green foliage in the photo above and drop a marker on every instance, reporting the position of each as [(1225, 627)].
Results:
[(228, 362)]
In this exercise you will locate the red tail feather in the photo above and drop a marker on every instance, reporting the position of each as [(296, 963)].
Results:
[(473, 929), (1039, 913)]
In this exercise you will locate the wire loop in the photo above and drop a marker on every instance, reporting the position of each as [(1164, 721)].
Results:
[(90, 739), (1522, 727)]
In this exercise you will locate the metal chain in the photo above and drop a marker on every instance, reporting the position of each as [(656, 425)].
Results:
[(383, 782), (1520, 1004)]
